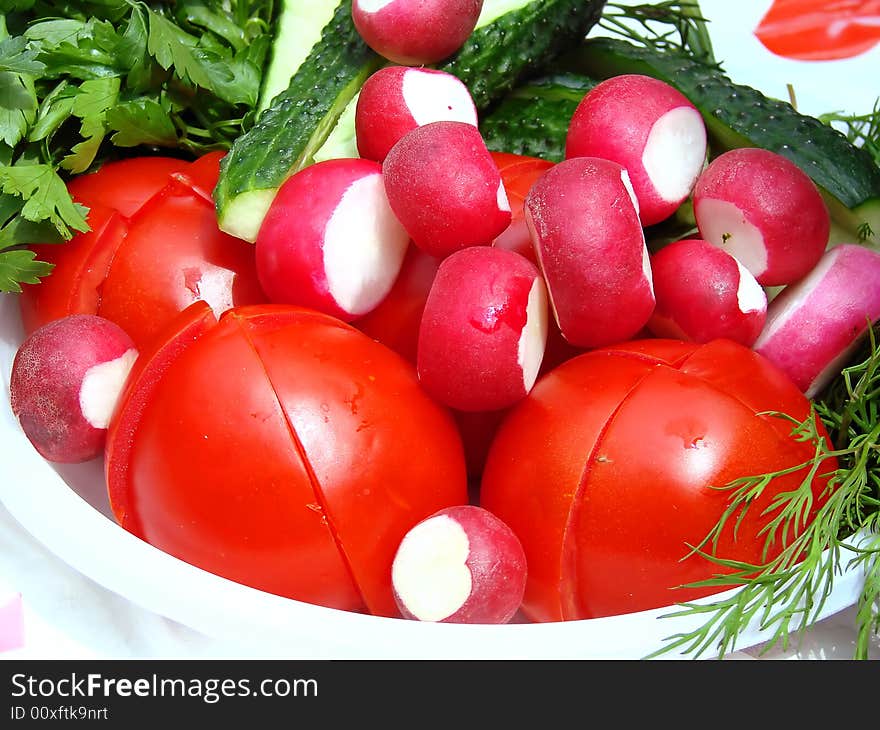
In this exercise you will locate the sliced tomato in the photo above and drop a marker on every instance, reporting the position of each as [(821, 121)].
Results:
[(518, 173), (607, 473), (283, 449), (153, 249), (395, 322)]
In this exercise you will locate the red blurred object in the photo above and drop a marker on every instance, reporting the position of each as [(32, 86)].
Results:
[(819, 30)]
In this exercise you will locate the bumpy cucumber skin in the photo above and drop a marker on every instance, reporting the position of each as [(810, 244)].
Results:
[(535, 33), (533, 119), (739, 116)]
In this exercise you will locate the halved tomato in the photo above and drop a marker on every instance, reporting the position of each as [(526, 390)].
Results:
[(283, 449), (153, 249), (607, 472)]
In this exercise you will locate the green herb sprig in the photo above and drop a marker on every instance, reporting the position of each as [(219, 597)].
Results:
[(668, 26), (85, 82), (862, 130)]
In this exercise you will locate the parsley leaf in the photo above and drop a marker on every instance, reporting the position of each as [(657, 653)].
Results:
[(19, 266), (45, 196), (83, 82)]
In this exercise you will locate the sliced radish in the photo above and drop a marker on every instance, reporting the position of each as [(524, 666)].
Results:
[(765, 211), (445, 188), (415, 32), (651, 129), (484, 330), (330, 240), (814, 325), (460, 565), (65, 382), (704, 293), (397, 99), (583, 219)]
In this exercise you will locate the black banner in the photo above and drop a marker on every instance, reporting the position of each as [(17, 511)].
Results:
[(409, 693)]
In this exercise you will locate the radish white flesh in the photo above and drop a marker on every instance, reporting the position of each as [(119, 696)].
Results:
[(397, 99), (591, 246), (483, 330), (765, 211), (65, 382), (460, 565), (649, 128), (813, 325), (415, 32), (445, 188), (330, 240), (704, 293)]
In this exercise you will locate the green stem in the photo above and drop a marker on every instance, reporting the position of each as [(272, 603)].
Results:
[(698, 40)]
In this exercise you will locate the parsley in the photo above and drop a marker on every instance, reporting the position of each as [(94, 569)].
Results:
[(85, 82)]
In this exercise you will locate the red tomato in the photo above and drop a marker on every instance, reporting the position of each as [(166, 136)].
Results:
[(282, 449), (153, 249), (395, 322), (605, 471), (518, 173)]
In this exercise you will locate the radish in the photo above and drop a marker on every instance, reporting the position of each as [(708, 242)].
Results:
[(583, 218), (651, 129), (814, 325), (415, 32), (763, 209), (397, 99), (704, 293), (445, 188), (483, 330), (330, 240), (460, 565), (65, 382)]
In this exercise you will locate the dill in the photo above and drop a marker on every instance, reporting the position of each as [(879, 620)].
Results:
[(785, 595)]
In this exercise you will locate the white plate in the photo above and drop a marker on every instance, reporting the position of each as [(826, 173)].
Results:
[(66, 509)]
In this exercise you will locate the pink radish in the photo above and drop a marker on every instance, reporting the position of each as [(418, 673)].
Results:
[(445, 188), (583, 219), (415, 32), (814, 325), (652, 130), (704, 293), (397, 99), (330, 240), (483, 330), (66, 379), (763, 209), (460, 565)]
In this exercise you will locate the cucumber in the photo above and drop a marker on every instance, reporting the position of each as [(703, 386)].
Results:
[(533, 118), (741, 116), (298, 29), (290, 130), (312, 118)]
